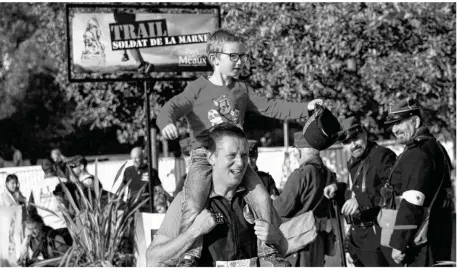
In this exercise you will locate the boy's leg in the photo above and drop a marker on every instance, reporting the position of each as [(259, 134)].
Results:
[(260, 202), (195, 192)]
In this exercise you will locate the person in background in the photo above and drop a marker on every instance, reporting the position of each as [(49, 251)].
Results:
[(78, 165), (266, 178), (51, 180), (41, 242), (420, 179), (59, 162), (303, 192), (17, 157), (12, 195), (139, 176), (369, 168)]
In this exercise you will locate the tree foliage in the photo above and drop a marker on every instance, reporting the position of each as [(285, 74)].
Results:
[(358, 56)]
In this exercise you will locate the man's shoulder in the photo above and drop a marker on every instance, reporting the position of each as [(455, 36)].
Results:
[(263, 174), (129, 169), (381, 151)]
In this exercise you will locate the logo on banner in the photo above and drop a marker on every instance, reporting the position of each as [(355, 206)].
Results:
[(192, 58)]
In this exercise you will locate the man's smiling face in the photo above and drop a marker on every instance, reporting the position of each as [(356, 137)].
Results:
[(230, 160)]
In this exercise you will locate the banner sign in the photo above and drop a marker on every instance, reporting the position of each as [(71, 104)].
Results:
[(118, 42)]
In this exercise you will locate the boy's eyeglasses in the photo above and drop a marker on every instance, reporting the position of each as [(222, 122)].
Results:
[(235, 56)]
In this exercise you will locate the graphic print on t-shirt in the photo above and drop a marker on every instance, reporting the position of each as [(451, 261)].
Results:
[(223, 112)]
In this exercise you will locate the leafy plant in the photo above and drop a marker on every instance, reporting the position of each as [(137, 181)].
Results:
[(99, 222)]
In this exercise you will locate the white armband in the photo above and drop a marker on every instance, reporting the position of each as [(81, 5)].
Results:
[(414, 197)]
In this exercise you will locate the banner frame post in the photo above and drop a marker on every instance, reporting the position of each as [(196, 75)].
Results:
[(151, 143)]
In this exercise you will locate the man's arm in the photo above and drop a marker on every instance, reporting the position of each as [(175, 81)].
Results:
[(416, 182), (275, 108), (168, 245), (165, 250), (288, 203), (178, 106)]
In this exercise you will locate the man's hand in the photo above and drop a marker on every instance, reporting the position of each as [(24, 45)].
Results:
[(203, 223), (397, 256), (350, 207), (267, 232), (312, 104), (170, 131), (329, 191)]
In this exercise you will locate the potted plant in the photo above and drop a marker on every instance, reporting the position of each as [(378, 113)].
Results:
[(101, 225)]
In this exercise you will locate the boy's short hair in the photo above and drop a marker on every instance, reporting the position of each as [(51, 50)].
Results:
[(218, 38), (216, 133)]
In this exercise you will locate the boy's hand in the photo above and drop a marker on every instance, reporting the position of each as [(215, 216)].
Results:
[(312, 104), (170, 131)]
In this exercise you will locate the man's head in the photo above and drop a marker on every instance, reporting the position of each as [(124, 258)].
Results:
[(34, 223), (48, 168), (228, 154), (12, 183), (405, 118), (137, 156), (226, 51), (78, 165), (56, 155), (253, 152), (354, 137), (303, 150)]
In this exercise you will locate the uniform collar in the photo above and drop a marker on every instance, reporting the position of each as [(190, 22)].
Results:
[(422, 134)]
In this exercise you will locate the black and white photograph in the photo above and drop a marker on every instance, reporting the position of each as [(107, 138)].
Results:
[(228, 134)]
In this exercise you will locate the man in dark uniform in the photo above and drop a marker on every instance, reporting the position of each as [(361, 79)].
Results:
[(266, 178), (420, 176), (303, 192), (369, 168)]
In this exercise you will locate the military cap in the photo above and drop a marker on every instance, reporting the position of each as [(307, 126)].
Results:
[(320, 131), (253, 147), (350, 127), (402, 109)]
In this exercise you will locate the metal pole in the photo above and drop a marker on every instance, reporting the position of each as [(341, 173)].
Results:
[(286, 134), (339, 233), (150, 146)]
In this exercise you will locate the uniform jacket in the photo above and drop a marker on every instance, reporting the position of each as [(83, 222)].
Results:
[(420, 168), (303, 192), (375, 163)]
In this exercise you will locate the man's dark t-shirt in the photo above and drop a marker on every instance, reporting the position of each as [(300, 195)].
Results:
[(139, 178)]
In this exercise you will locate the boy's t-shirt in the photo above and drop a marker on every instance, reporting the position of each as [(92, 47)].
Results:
[(205, 104)]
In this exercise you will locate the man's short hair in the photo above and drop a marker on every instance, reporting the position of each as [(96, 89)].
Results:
[(218, 38), (216, 133)]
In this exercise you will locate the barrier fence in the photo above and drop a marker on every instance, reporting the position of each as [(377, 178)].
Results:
[(277, 161)]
